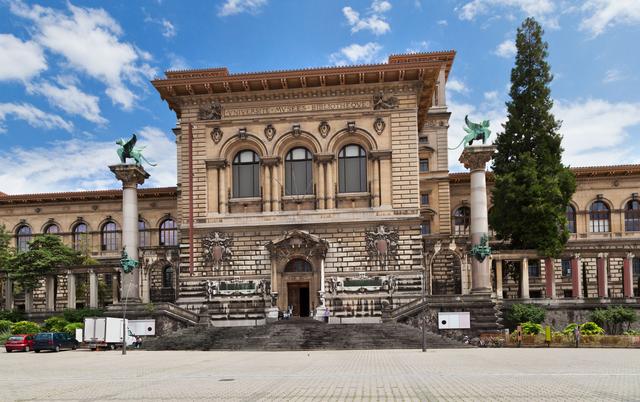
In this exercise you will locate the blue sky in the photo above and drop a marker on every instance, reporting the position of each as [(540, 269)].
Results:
[(75, 75)]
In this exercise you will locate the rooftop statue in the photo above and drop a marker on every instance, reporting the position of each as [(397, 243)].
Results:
[(127, 151), (476, 132)]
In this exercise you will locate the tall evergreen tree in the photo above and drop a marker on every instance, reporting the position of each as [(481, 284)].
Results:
[(532, 186)]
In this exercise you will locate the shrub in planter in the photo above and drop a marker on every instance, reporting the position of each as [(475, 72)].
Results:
[(5, 325), (25, 327), (632, 332), (614, 318), (55, 324), (71, 327), (520, 313), (531, 328), (591, 328), (568, 330)]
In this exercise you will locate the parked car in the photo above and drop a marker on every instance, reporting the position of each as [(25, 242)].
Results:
[(23, 342), (54, 341)]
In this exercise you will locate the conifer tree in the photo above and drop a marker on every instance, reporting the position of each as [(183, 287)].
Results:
[(532, 186)]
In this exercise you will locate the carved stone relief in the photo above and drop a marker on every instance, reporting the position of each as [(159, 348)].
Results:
[(213, 111), (324, 129), (270, 132), (379, 125), (217, 249), (216, 134), (296, 243), (382, 244), (384, 102), (296, 130)]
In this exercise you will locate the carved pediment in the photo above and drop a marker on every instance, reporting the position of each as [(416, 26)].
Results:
[(295, 243)]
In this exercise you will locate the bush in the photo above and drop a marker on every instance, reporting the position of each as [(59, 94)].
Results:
[(531, 328), (80, 314), (519, 313), (25, 327), (568, 330), (71, 328), (591, 328), (55, 324), (613, 318), (11, 315), (5, 325), (4, 336), (633, 332)]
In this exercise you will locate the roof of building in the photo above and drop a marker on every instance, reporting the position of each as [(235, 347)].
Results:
[(84, 195), (579, 172)]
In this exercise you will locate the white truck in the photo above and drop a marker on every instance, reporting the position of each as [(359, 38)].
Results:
[(105, 332)]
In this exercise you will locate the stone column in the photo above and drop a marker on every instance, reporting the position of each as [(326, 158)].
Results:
[(8, 294), (222, 190), (524, 278), (71, 291), (266, 194), (475, 158), (50, 292), (576, 283), (550, 278), (146, 285), (627, 275), (131, 176), (376, 183), (115, 286), (499, 279), (385, 177), (93, 289), (212, 193), (603, 283), (276, 186), (321, 191), (28, 301), (331, 187)]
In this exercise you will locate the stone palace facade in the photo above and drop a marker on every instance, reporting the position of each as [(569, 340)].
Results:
[(316, 189)]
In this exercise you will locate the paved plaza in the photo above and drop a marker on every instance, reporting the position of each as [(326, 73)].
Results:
[(461, 374)]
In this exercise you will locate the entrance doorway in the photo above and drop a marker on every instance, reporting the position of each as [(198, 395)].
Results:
[(298, 297)]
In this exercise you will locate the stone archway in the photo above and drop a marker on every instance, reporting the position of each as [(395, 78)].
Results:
[(445, 267)]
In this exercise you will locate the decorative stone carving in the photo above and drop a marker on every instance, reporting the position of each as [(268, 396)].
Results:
[(211, 112), (324, 129), (242, 133), (217, 249), (382, 102), (269, 132), (351, 127), (477, 156), (211, 288), (296, 130), (296, 243), (382, 244), (379, 125), (216, 134)]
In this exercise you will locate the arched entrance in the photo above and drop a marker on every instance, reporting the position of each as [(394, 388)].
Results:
[(298, 296)]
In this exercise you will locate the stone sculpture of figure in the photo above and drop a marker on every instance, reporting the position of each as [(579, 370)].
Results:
[(380, 102), (127, 150), (476, 132), (127, 264)]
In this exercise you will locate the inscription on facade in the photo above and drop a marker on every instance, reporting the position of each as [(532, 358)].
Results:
[(303, 108)]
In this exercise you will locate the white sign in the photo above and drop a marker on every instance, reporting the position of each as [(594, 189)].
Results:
[(454, 320)]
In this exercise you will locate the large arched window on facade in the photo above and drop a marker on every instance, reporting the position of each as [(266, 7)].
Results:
[(168, 233), (600, 215), (52, 229), (298, 172), (632, 216), (143, 234), (571, 219), (352, 169), (298, 265), (246, 175), (167, 277), (80, 237), (23, 237), (109, 237), (461, 221)]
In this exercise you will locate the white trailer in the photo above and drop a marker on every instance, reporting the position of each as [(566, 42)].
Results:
[(142, 327), (105, 332)]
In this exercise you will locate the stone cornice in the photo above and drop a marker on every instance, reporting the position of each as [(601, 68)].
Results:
[(324, 157), (580, 173), (380, 154), (216, 163), (270, 160)]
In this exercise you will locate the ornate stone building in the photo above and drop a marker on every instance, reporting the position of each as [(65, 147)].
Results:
[(305, 189)]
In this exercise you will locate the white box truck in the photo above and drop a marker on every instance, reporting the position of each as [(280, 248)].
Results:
[(142, 327), (105, 332)]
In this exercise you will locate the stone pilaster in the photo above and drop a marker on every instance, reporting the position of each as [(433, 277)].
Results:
[(550, 278), (603, 282), (71, 291), (50, 289), (576, 284), (524, 278), (93, 289), (499, 279), (627, 275)]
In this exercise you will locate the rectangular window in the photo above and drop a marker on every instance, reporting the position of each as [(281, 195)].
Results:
[(424, 199), (534, 268), (636, 266), (568, 293), (424, 165), (425, 228), (423, 140), (566, 268)]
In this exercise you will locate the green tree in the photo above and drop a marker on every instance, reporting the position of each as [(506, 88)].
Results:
[(45, 255), (6, 251), (532, 186)]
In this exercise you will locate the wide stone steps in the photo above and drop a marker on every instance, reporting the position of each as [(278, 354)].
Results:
[(301, 334)]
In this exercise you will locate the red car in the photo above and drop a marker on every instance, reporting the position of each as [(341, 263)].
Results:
[(22, 342)]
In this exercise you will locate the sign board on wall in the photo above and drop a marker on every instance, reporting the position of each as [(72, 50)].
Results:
[(454, 320)]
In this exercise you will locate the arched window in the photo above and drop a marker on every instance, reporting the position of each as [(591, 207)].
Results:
[(246, 175), (143, 234), (168, 233), (599, 214), (23, 237), (297, 171), (52, 228), (109, 239), (167, 277), (80, 237), (461, 221), (298, 265), (632, 216), (352, 169), (571, 218)]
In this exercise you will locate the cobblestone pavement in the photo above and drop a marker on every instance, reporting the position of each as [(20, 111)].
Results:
[(453, 374)]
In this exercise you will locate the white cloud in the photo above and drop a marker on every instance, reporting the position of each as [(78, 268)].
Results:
[(491, 96), (455, 85), (613, 75), (232, 7), (596, 131), (374, 22), (168, 30), (68, 97), (543, 10), (356, 54), (75, 164), (89, 40), (418, 47), (32, 115), (443, 23), (177, 62), (506, 49), (20, 60), (603, 14)]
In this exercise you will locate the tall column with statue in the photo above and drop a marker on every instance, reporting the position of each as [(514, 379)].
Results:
[(131, 175), (475, 158)]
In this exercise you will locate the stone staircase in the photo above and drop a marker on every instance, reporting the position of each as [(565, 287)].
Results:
[(300, 334)]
